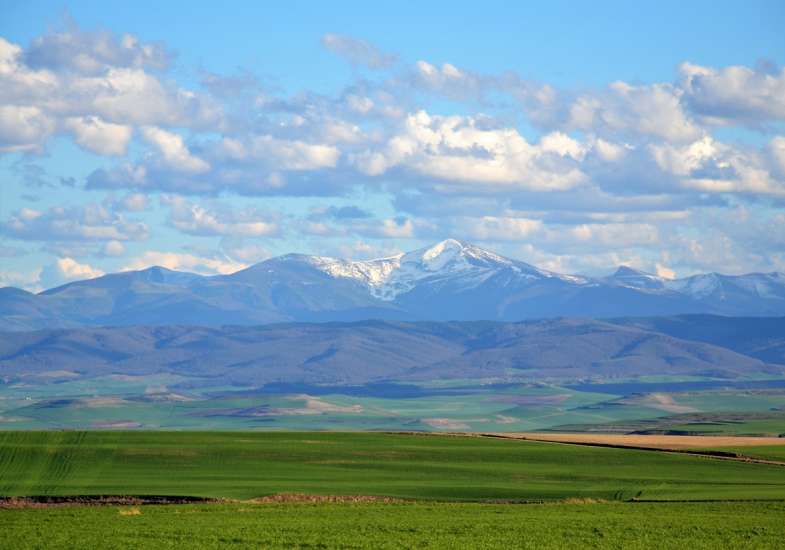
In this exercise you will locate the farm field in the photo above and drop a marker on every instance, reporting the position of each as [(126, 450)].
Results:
[(665, 442), (377, 490), (408, 525), (732, 423), (247, 465)]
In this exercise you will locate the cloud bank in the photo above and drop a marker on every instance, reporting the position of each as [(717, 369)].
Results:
[(638, 173)]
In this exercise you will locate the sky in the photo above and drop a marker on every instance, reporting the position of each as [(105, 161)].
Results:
[(575, 136)]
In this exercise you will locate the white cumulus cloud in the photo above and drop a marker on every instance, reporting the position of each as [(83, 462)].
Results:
[(99, 136), (179, 261), (217, 219), (734, 94), (174, 153)]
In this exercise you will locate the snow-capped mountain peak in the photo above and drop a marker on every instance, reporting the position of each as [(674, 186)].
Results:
[(465, 264), (437, 256), (453, 255), (370, 272), (452, 268), (450, 280)]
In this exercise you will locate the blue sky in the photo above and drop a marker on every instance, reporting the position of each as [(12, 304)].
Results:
[(576, 136)]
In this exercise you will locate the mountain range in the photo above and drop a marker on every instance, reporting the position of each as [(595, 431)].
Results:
[(367, 352), (450, 280)]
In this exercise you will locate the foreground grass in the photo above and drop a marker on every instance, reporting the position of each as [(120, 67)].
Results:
[(438, 525), (247, 465)]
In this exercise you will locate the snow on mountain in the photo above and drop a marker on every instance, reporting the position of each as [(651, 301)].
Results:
[(450, 280), (464, 264), (704, 286), (452, 266), (697, 286), (761, 285), (633, 278)]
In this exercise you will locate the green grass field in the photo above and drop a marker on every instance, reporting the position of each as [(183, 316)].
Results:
[(455, 492), (245, 465), (420, 525)]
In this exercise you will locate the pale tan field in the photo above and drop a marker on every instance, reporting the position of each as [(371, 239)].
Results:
[(680, 442)]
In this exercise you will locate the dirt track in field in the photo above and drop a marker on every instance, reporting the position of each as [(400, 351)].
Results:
[(665, 442)]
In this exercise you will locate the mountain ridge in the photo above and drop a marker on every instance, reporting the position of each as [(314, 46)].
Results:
[(451, 280)]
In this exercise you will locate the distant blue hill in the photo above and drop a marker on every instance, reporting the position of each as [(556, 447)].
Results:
[(383, 352)]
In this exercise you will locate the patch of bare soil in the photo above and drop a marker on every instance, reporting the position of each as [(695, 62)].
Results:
[(135, 501), (583, 500), (300, 497), (661, 401)]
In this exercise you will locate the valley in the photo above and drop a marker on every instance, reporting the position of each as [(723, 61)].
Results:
[(658, 375)]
